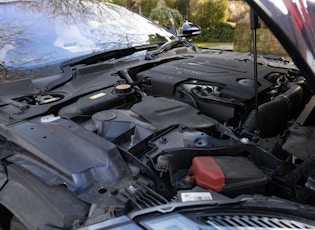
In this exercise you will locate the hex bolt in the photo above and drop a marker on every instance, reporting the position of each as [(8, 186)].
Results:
[(181, 128), (162, 140)]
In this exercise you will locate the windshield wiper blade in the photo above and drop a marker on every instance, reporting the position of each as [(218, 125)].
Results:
[(107, 55), (150, 55), (92, 58)]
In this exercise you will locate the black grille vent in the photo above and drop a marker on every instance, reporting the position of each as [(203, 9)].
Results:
[(254, 222), (142, 196), (85, 71)]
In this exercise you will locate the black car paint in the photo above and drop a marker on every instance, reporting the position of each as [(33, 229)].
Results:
[(293, 24)]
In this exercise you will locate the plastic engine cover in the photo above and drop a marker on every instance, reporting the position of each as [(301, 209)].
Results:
[(226, 174)]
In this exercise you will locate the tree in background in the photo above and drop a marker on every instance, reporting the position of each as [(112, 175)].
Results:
[(211, 15), (170, 3), (162, 17), (183, 6), (147, 6), (208, 12), (202, 12), (126, 3)]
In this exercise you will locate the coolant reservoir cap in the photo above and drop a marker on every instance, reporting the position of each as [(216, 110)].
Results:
[(123, 89)]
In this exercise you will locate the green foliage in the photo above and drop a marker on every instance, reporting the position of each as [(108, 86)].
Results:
[(210, 12), (183, 7), (170, 3), (147, 6), (223, 32), (118, 2), (161, 16), (126, 3)]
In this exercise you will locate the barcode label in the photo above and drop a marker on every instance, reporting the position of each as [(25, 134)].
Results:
[(196, 196)]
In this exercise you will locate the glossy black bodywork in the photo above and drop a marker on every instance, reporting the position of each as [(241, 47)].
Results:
[(292, 22)]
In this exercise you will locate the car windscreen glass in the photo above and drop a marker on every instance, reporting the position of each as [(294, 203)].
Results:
[(41, 33)]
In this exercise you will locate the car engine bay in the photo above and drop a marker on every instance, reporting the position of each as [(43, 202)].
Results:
[(125, 136)]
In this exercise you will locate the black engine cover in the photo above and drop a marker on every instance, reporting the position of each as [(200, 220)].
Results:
[(234, 77)]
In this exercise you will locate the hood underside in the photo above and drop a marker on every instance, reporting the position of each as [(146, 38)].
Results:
[(292, 22)]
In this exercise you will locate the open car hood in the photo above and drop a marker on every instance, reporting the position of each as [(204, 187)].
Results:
[(292, 22)]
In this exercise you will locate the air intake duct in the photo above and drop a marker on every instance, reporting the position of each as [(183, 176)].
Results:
[(273, 115)]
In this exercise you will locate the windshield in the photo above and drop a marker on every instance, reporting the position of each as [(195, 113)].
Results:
[(35, 34)]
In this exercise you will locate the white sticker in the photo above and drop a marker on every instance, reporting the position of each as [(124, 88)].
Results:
[(196, 196), (97, 96), (49, 118)]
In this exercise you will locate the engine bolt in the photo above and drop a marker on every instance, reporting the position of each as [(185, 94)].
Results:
[(181, 128), (244, 140), (162, 140)]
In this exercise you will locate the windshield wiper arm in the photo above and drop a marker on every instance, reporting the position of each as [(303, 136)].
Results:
[(94, 58), (150, 55), (107, 55)]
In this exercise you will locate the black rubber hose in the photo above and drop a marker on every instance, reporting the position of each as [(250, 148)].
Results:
[(124, 74), (300, 171), (273, 115), (250, 122)]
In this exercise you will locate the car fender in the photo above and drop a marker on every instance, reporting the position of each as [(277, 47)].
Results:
[(54, 206)]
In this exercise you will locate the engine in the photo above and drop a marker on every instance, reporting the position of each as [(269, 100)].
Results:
[(157, 131)]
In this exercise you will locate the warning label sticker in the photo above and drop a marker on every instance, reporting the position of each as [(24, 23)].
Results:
[(195, 196)]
